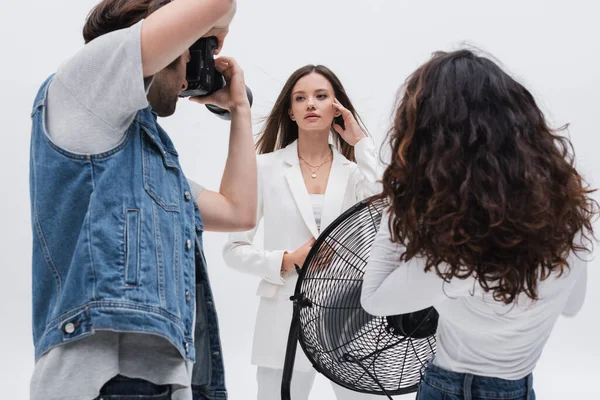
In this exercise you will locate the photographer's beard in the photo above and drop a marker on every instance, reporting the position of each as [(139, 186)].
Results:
[(164, 91)]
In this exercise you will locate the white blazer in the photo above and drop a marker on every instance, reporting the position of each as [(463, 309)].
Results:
[(285, 208)]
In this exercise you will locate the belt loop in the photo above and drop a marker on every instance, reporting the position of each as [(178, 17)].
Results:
[(467, 386)]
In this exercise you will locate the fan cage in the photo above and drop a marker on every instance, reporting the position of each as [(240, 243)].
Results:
[(350, 347)]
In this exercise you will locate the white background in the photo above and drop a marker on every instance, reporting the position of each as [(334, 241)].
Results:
[(550, 46)]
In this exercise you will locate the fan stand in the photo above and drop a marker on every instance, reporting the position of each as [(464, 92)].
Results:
[(292, 344)]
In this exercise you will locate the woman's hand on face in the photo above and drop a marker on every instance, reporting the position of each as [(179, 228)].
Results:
[(353, 132)]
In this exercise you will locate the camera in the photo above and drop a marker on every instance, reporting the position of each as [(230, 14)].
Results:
[(202, 77)]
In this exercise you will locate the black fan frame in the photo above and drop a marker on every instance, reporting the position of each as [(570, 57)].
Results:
[(301, 301)]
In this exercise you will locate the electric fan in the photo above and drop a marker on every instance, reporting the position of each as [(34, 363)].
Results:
[(364, 353)]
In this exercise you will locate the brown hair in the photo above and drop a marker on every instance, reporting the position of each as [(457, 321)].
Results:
[(112, 15), (479, 184), (280, 130)]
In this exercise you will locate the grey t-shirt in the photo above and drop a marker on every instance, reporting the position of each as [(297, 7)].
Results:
[(92, 100)]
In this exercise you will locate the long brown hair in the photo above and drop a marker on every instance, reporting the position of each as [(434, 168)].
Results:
[(479, 184), (279, 130)]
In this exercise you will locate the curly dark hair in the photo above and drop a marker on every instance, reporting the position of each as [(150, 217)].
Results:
[(479, 184)]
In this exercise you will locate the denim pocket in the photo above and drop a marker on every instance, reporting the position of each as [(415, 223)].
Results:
[(161, 173), (428, 392), (132, 246)]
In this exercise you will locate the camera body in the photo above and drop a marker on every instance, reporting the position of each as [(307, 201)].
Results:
[(202, 77)]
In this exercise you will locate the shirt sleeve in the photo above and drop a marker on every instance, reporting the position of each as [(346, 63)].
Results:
[(95, 95), (196, 188), (392, 287), (577, 296)]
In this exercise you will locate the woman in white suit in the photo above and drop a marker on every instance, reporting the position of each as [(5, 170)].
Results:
[(304, 184)]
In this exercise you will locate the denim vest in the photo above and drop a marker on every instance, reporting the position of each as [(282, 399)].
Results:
[(117, 245)]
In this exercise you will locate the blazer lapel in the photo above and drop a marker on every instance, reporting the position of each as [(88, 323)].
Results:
[(336, 189), (298, 188)]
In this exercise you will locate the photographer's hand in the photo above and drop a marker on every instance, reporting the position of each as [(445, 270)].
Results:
[(233, 96), (220, 34), (171, 30), (221, 28)]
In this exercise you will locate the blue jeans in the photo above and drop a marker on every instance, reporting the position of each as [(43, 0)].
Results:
[(439, 384), (123, 388)]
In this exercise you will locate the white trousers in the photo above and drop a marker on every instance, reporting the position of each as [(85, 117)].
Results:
[(269, 386)]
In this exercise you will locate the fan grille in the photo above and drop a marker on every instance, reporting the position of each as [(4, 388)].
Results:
[(344, 343)]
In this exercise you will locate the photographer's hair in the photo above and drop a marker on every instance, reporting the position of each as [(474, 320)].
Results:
[(112, 15), (479, 184), (280, 130)]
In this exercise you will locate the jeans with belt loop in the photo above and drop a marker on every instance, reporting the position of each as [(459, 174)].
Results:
[(439, 384)]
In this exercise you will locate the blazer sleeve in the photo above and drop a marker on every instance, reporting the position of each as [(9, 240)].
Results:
[(240, 254), (366, 177)]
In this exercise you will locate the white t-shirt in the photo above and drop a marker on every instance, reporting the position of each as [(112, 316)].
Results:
[(475, 333), (317, 206)]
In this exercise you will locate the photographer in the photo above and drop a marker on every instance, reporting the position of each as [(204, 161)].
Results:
[(122, 305)]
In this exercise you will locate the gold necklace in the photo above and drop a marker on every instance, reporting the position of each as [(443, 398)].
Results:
[(316, 167)]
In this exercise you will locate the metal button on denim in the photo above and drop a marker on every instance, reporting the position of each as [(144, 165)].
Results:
[(188, 296), (188, 244), (187, 196), (69, 328)]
